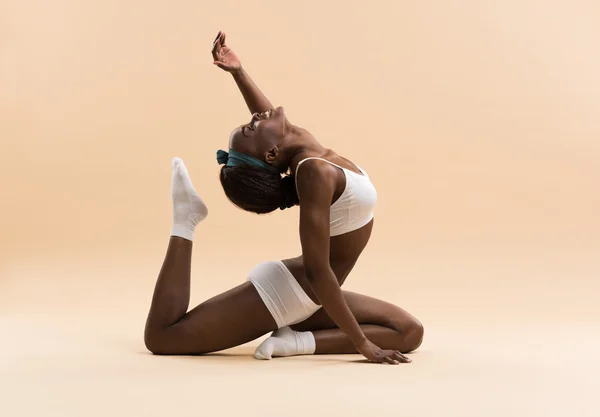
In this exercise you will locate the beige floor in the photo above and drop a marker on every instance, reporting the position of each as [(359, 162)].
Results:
[(72, 347)]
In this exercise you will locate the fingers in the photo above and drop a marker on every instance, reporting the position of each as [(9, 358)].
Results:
[(391, 360), (218, 36), (401, 358), (223, 36), (385, 358), (216, 49), (215, 52)]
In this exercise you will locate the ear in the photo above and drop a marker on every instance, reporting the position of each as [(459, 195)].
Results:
[(271, 154)]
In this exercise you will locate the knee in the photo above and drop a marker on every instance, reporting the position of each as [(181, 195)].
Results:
[(155, 342), (410, 333), (173, 340), (413, 336)]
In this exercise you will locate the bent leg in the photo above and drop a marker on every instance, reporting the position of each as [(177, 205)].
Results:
[(171, 296), (226, 320), (385, 324), (335, 341), (230, 319)]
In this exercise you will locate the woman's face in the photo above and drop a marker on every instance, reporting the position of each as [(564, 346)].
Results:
[(263, 132)]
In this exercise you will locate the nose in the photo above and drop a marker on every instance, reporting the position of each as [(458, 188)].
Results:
[(261, 116)]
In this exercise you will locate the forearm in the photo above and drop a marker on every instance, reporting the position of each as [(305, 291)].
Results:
[(254, 98), (327, 289)]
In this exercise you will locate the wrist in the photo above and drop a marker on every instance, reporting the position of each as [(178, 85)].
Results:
[(238, 73), (361, 340)]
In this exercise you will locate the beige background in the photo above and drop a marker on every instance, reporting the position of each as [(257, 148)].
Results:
[(477, 120)]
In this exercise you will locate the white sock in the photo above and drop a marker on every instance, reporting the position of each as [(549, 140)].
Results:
[(188, 207), (286, 342)]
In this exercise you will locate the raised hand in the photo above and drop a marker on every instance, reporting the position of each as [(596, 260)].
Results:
[(375, 354), (223, 56)]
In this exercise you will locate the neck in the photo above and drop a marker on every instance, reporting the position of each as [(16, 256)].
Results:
[(302, 144)]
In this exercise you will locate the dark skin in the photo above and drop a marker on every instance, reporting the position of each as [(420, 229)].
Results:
[(348, 322)]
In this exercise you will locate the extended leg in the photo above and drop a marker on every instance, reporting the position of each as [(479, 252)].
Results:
[(229, 319), (171, 296), (385, 324), (172, 291)]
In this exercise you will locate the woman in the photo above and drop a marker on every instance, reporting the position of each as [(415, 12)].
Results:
[(300, 300)]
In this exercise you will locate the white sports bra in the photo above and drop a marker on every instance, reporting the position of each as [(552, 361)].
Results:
[(354, 208)]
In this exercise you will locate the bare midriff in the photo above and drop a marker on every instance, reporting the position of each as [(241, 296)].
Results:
[(343, 254)]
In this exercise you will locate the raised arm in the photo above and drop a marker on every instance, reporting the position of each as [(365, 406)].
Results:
[(228, 61), (316, 187)]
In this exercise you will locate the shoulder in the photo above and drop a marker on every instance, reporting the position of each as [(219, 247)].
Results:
[(316, 177)]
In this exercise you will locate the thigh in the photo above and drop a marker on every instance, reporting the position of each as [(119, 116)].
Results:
[(366, 310), (229, 319)]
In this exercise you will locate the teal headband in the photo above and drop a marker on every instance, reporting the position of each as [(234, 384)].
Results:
[(233, 158)]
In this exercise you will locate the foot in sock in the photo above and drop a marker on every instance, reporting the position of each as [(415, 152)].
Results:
[(286, 342), (188, 207)]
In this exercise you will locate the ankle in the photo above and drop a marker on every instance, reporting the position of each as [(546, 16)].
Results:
[(306, 343), (183, 231)]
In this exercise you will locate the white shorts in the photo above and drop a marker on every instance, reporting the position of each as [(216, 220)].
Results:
[(281, 293)]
